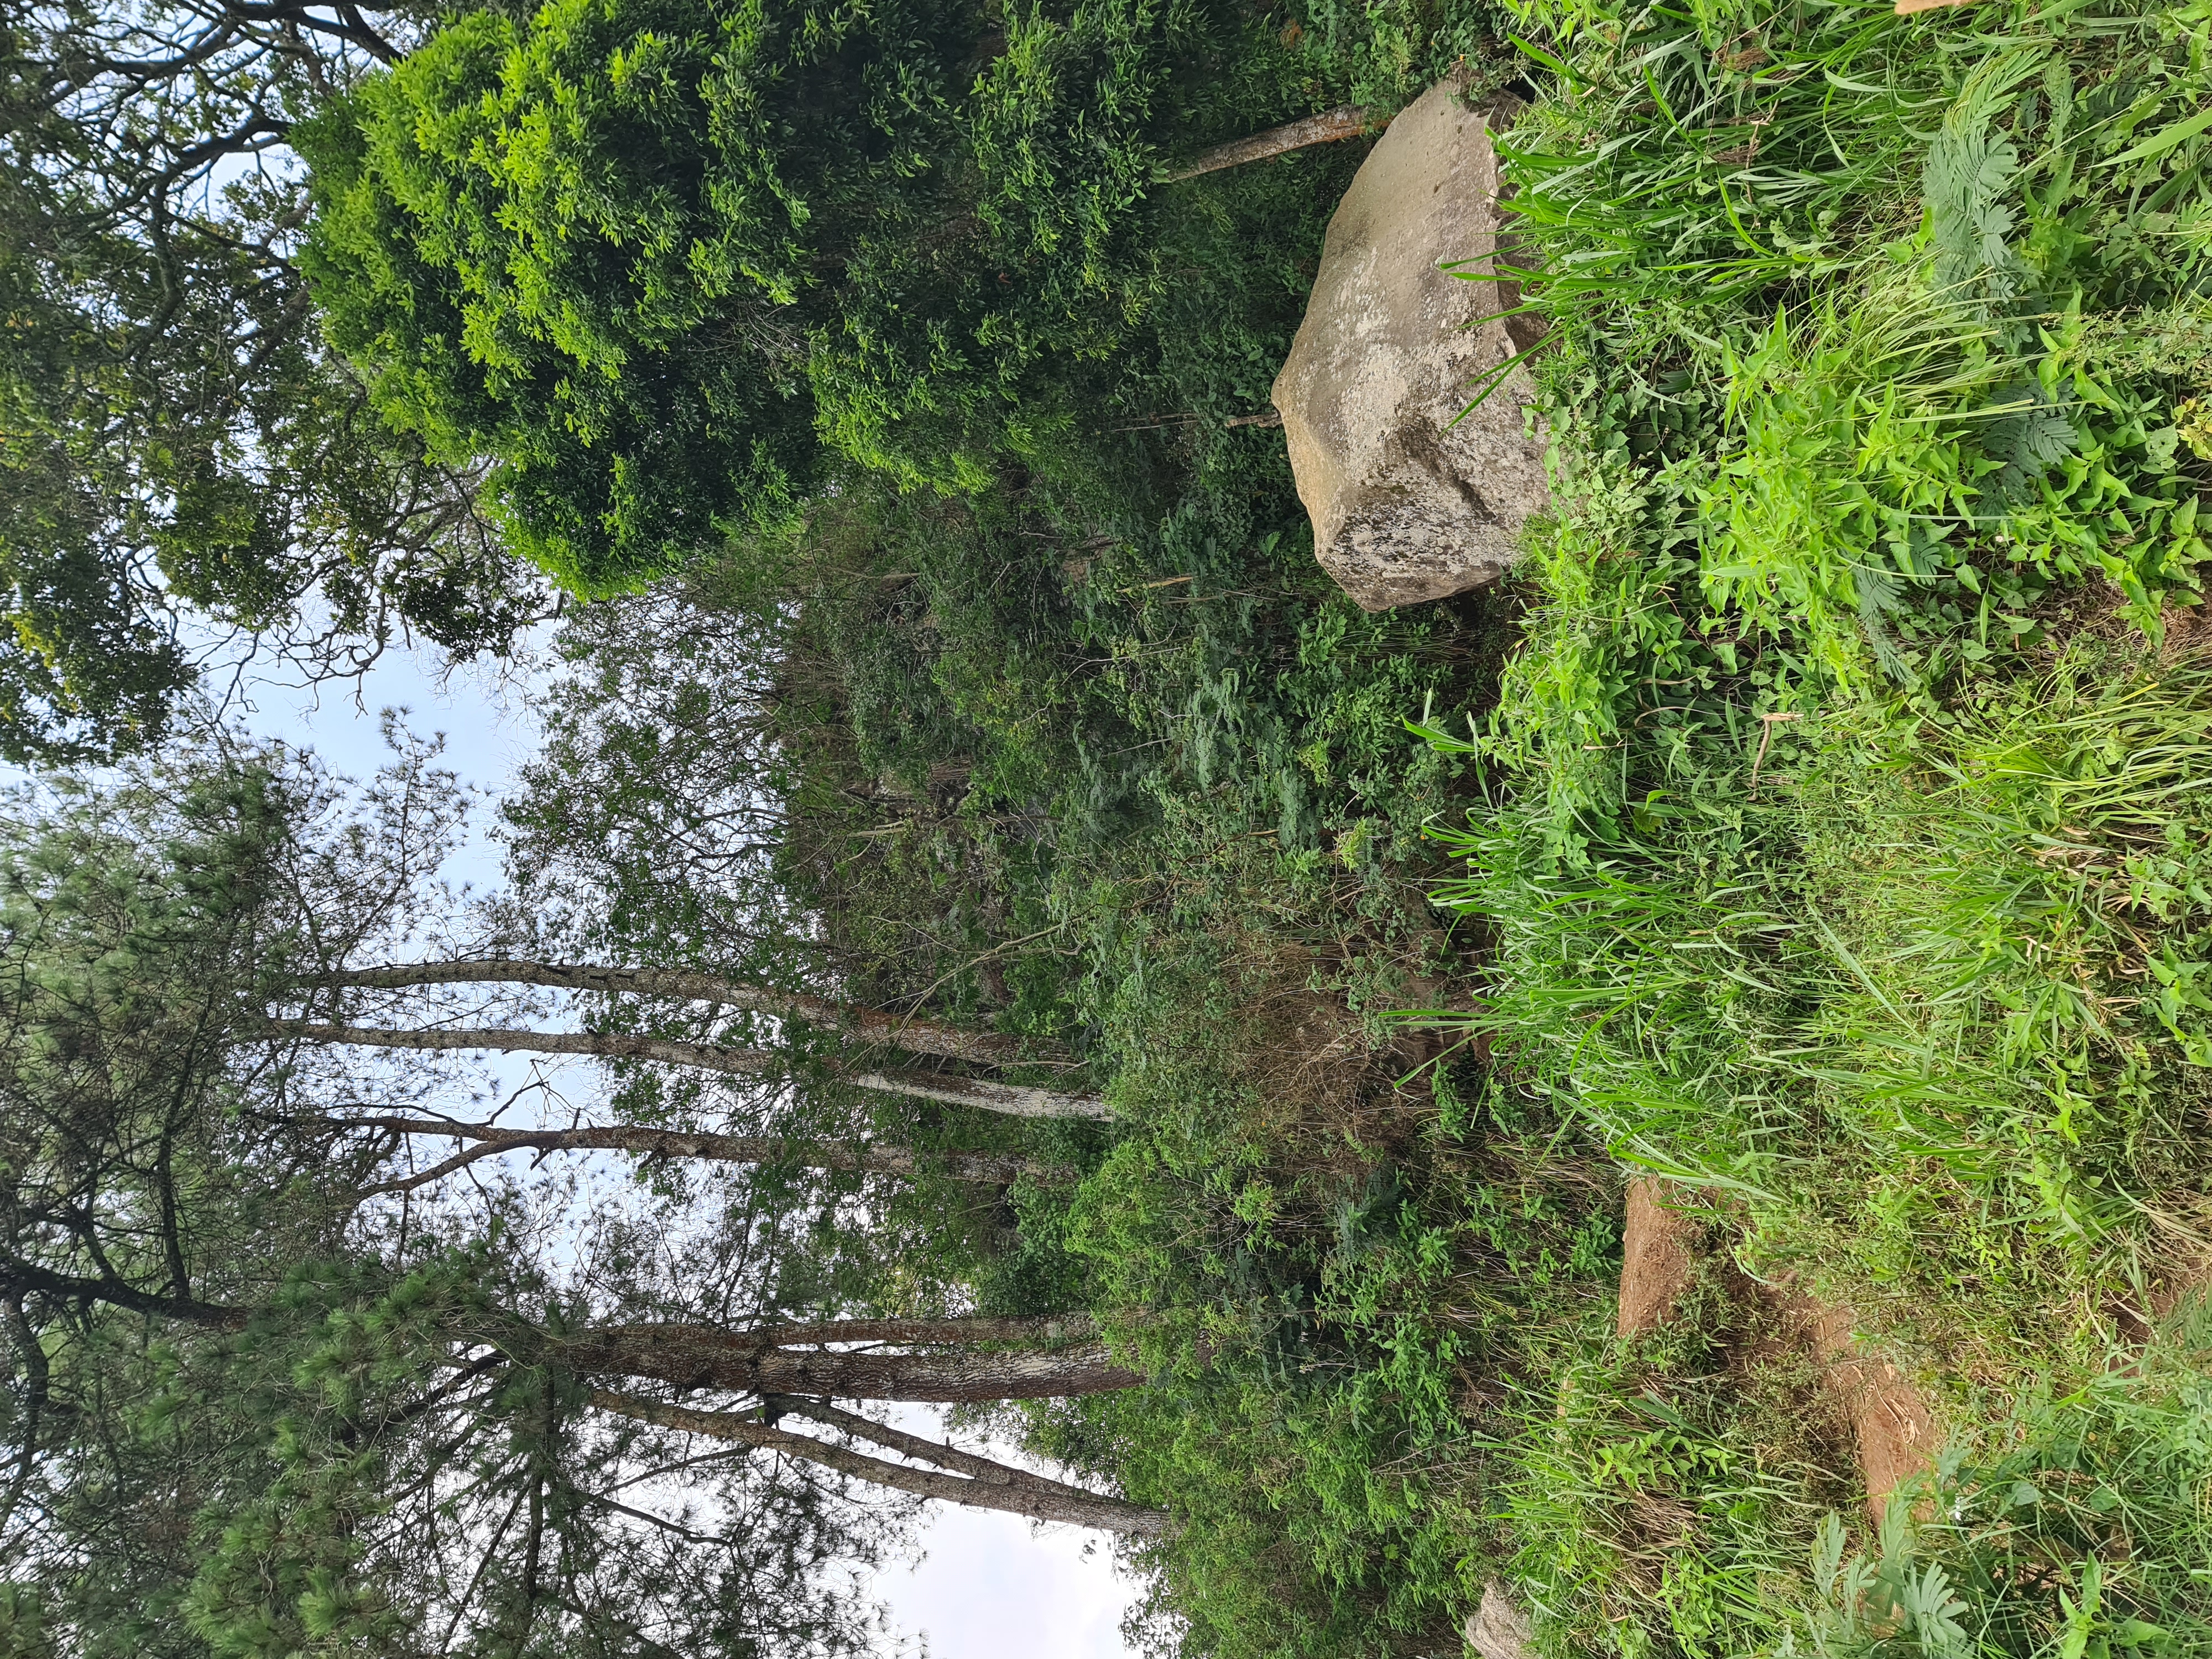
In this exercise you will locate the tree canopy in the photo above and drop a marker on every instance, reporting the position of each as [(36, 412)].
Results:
[(184, 459), (665, 263)]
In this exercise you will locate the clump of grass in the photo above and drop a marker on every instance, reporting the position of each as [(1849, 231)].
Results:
[(1971, 949), (1844, 850)]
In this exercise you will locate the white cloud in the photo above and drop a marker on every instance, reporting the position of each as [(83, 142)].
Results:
[(996, 1586)]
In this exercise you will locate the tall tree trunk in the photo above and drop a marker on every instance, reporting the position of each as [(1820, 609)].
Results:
[(1011, 1099), (870, 1025), (491, 1141), (958, 1327), (1329, 127), (709, 1357), (1007, 1099), (984, 1484)]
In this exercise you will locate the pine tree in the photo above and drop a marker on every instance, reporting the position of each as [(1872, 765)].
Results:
[(269, 1394)]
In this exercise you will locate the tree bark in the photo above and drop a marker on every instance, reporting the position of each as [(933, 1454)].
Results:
[(1007, 1099), (744, 1362), (492, 1141), (987, 1470), (1010, 1099), (871, 1025), (1015, 1492), (1329, 127), (959, 1328)]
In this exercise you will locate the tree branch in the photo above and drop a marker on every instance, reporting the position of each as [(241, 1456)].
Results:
[(18, 1277), (1329, 127), (38, 1378), (1025, 1497)]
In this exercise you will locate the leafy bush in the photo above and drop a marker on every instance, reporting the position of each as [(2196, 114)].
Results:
[(659, 263)]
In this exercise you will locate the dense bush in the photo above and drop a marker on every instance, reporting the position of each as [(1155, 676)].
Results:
[(661, 262)]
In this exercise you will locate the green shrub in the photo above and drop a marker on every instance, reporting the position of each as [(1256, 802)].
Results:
[(660, 262)]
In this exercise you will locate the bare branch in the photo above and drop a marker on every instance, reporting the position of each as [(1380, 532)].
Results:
[(1329, 127)]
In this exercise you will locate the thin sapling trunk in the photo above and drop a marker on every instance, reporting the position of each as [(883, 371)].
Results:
[(1011, 1099), (490, 1140)]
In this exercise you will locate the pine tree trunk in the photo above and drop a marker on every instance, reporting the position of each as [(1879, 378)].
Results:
[(1329, 127), (492, 1141), (870, 1025), (959, 1328), (984, 1484), (1011, 1099), (745, 1362)]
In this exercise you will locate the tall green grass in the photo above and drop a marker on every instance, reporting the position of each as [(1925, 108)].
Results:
[(1949, 965), (1847, 844)]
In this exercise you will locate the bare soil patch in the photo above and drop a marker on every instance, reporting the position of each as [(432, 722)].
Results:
[(1659, 1253), (1894, 1427)]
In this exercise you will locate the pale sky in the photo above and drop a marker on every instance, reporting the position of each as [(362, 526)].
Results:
[(989, 1586)]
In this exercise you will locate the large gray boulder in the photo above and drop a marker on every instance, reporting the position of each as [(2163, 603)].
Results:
[(1497, 1629), (1406, 506)]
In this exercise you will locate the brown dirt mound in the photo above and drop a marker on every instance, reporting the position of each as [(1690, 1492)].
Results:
[(1891, 1418), (1659, 1252), (1893, 1425)]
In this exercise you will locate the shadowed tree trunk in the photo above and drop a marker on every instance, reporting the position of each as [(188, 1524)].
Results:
[(19, 1279), (1329, 127), (1011, 1099), (979, 1482), (492, 1141), (870, 1025), (746, 1362)]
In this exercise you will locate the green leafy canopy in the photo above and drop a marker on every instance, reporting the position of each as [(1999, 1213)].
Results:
[(662, 262)]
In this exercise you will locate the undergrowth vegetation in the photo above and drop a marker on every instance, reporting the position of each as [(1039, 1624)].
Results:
[(1819, 816), (1098, 756), (1844, 852), (1831, 786)]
